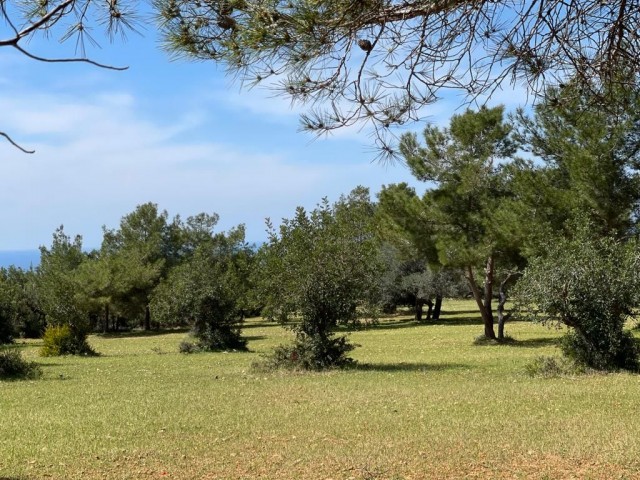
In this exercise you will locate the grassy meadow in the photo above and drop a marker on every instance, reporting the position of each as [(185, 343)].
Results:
[(423, 403)]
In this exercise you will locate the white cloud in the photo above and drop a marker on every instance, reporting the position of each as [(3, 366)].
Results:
[(98, 157)]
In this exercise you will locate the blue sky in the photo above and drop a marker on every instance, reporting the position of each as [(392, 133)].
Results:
[(177, 133)]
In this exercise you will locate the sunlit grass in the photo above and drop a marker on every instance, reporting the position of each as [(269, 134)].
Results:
[(423, 403)]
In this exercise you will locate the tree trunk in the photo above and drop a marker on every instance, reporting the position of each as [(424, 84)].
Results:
[(488, 297), (430, 310), (437, 308), (147, 318), (502, 318), (487, 316), (419, 305), (106, 319)]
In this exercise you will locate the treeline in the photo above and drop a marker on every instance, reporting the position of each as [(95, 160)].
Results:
[(144, 274), (544, 206)]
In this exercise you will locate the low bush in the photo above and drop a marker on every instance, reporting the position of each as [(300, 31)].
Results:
[(63, 340), (550, 367), (214, 338), (601, 352), (188, 347), (13, 366), (210, 339), (309, 353)]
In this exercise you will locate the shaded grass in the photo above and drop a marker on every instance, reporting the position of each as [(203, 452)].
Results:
[(142, 333), (423, 402)]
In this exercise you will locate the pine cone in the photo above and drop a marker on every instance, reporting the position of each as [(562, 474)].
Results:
[(365, 45), (226, 23)]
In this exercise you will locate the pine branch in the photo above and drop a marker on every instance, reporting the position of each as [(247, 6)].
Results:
[(12, 142)]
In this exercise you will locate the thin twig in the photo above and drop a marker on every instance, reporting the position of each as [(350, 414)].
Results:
[(67, 60), (15, 144)]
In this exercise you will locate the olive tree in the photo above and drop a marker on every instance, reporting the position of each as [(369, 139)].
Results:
[(208, 292), (320, 270), (590, 285)]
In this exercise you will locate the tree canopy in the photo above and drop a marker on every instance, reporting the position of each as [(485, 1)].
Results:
[(381, 61), (363, 61), (461, 218), (320, 270), (590, 284)]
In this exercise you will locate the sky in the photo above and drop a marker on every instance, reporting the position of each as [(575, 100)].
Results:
[(177, 133)]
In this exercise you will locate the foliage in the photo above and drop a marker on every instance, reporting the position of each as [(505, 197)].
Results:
[(610, 352), (590, 285), (57, 283), (320, 270), (138, 255), (65, 19), (7, 331), (309, 353), (188, 347), (67, 321), (551, 367), (28, 315), (13, 366), (413, 283), (589, 163), (208, 291), (64, 340), (7, 325), (379, 62), (20, 314), (463, 215)]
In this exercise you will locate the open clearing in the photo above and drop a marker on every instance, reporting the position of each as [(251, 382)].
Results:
[(424, 403)]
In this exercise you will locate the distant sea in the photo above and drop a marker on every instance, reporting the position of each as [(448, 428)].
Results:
[(19, 258)]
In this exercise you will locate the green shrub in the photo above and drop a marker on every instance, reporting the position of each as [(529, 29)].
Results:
[(309, 353), (550, 367), (602, 352), (220, 337), (214, 338), (590, 285), (188, 347), (64, 340), (7, 330), (318, 271), (13, 366)]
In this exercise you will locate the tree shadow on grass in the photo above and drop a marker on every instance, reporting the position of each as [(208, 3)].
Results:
[(142, 333), (387, 325), (446, 312), (534, 342), (48, 364), (456, 321), (264, 324), (251, 338), (20, 345), (512, 342), (466, 320), (408, 367)]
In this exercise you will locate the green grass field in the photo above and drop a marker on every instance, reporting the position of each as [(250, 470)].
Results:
[(424, 403)]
